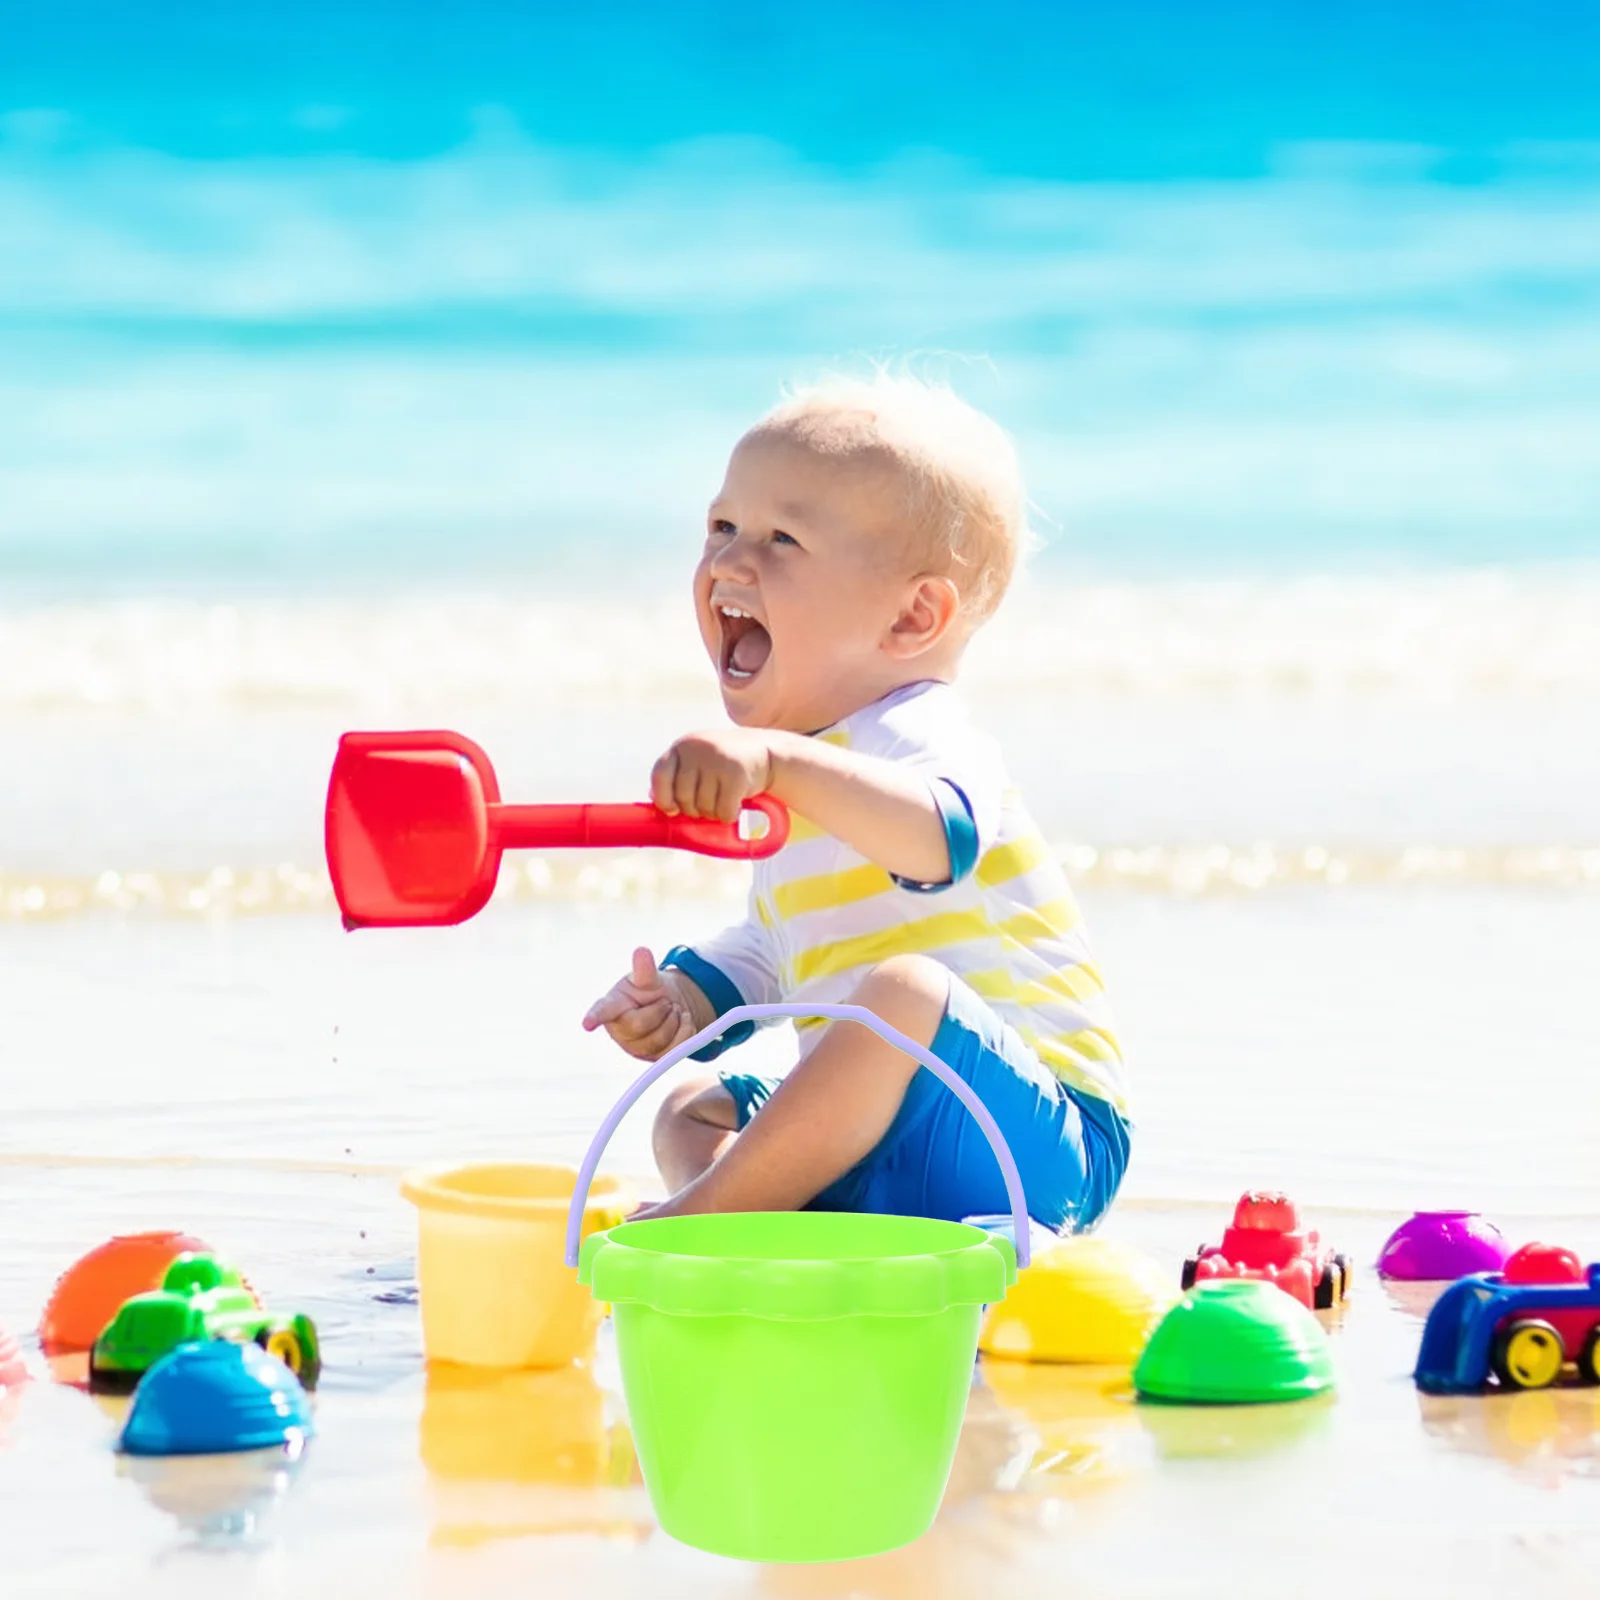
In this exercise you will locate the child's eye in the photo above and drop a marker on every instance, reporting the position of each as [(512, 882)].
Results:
[(723, 526), (780, 537)]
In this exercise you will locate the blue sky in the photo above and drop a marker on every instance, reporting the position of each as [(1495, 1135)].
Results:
[(1253, 284)]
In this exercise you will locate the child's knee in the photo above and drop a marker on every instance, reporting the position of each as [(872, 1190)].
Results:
[(702, 1100), (909, 992)]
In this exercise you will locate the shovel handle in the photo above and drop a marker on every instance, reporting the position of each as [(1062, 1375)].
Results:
[(614, 827), (844, 1013)]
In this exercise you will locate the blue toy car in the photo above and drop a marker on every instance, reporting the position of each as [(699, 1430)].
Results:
[(1523, 1326)]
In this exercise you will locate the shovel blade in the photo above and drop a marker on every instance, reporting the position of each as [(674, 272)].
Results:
[(407, 829)]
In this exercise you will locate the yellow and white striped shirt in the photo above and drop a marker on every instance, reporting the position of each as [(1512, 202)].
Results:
[(821, 915)]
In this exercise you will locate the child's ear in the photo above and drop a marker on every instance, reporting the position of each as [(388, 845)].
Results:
[(926, 616)]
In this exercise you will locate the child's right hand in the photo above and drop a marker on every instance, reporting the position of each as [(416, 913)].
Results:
[(646, 1013)]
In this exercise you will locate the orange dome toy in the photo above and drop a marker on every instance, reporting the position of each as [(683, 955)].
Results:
[(91, 1291)]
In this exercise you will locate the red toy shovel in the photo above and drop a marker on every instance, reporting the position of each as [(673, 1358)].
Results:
[(415, 828)]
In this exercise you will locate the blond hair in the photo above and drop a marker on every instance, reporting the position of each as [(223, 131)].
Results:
[(967, 505)]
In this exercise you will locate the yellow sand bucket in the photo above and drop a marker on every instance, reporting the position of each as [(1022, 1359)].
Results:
[(495, 1290)]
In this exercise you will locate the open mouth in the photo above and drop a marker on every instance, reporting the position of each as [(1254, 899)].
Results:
[(746, 644)]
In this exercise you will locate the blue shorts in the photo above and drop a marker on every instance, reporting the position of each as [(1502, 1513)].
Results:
[(1071, 1150)]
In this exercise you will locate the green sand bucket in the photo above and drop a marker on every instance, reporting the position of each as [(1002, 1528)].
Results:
[(796, 1380), (1235, 1341)]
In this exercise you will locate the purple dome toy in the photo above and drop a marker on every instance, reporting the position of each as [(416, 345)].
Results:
[(1439, 1246)]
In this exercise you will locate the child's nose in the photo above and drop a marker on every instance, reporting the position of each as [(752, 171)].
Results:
[(732, 561)]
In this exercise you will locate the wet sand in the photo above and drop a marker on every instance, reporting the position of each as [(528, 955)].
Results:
[(437, 1482), (261, 1082)]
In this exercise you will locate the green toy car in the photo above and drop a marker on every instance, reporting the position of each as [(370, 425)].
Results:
[(200, 1298)]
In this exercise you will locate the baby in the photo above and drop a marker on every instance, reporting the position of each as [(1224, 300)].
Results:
[(863, 533)]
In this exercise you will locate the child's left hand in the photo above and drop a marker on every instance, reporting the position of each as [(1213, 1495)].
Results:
[(712, 774)]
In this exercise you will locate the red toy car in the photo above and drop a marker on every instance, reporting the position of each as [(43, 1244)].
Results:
[(1266, 1241)]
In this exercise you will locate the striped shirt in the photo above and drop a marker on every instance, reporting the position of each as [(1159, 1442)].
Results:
[(821, 916)]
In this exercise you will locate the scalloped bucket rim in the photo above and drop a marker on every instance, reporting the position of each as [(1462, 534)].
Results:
[(957, 1265)]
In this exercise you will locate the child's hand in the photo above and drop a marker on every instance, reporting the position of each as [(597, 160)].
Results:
[(712, 774), (645, 1012)]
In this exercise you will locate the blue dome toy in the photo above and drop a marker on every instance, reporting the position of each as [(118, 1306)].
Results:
[(204, 1399)]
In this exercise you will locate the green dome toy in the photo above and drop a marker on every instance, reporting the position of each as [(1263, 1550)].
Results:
[(1235, 1341)]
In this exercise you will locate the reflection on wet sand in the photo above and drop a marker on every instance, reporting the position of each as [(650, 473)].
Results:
[(1414, 1300), (1332, 1318), (1216, 1432), (510, 1454), (1545, 1435), (223, 1501), (1081, 1419)]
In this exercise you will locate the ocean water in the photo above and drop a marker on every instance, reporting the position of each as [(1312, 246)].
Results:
[(273, 347), (1436, 725)]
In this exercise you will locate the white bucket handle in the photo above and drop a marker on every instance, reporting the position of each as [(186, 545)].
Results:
[(869, 1019)]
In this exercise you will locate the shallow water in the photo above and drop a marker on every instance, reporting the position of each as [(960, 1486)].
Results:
[(1424, 713), (1367, 1047)]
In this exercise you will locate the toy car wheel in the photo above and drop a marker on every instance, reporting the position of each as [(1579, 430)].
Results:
[(1326, 1294), (1527, 1355), (1346, 1272), (1589, 1357), (1186, 1281), (283, 1343)]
